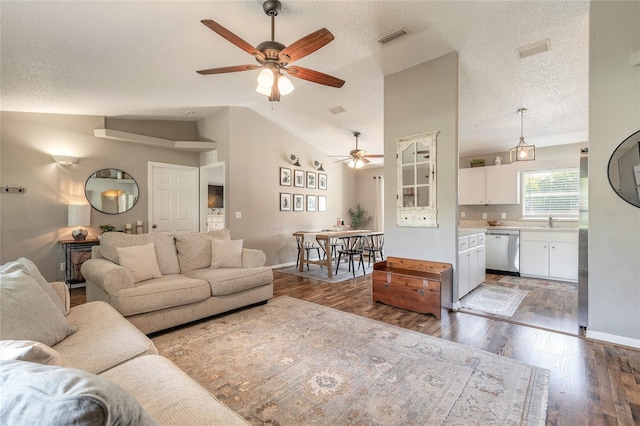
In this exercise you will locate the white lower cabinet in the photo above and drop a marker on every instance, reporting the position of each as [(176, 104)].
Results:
[(549, 255), (471, 263)]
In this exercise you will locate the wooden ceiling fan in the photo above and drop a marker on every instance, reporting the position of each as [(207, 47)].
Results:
[(275, 57), (357, 157)]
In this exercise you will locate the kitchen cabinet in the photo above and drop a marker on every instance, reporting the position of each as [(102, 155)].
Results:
[(549, 255), (471, 262), (489, 185)]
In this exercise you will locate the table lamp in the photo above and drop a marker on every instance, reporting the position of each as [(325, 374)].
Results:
[(79, 215)]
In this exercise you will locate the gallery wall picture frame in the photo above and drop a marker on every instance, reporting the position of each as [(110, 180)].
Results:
[(322, 181), (322, 203), (311, 180), (311, 203), (285, 202), (298, 178), (298, 202), (285, 176)]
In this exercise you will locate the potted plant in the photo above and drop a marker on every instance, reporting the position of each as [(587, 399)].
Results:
[(477, 162), (360, 218), (107, 228)]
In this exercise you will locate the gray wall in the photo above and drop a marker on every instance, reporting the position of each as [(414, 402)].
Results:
[(614, 225), (421, 99), (31, 224), (254, 150), (365, 190)]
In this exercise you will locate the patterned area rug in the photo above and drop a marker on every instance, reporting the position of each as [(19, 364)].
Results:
[(292, 362), (320, 274), (540, 283), (494, 299)]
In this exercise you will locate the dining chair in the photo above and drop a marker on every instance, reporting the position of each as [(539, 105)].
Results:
[(308, 247), (352, 246), (375, 244)]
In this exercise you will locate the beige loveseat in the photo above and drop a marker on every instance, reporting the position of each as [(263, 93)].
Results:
[(196, 275), (86, 364)]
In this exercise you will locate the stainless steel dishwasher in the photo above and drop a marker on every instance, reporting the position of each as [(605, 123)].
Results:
[(503, 251)]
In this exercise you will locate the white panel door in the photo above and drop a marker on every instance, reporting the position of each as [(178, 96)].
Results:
[(173, 198), (563, 261), (471, 186)]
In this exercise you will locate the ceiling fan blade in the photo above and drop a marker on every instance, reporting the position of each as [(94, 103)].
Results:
[(223, 70), (374, 156), (340, 161), (314, 76), (306, 45), (364, 160), (232, 38)]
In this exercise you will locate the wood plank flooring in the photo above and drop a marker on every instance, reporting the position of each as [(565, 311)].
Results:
[(591, 383)]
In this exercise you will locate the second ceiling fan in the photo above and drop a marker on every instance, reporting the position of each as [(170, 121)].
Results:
[(357, 157), (275, 57)]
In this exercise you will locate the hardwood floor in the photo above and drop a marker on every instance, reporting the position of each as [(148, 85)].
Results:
[(591, 383)]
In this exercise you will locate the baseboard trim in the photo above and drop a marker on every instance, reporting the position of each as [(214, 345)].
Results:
[(613, 338)]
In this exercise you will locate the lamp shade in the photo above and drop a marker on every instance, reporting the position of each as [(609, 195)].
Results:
[(79, 215)]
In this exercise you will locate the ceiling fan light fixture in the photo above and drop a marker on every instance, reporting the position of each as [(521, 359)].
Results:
[(284, 85), (356, 163), (263, 90), (266, 78)]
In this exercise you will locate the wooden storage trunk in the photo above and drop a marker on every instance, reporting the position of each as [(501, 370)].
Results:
[(416, 285)]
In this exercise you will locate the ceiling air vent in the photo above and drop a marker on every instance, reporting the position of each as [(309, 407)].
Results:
[(533, 49), (394, 35)]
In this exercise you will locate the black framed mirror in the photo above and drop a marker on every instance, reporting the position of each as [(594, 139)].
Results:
[(624, 169), (111, 191)]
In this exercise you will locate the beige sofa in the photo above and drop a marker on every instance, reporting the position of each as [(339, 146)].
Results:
[(198, 274), (86, 364)]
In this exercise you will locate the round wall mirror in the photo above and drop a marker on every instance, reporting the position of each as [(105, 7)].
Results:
[(624, 169), (111, 191)]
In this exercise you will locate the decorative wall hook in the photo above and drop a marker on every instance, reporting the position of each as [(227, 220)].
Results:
[(14, 190)]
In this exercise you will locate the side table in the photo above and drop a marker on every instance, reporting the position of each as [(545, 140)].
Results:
[(75, 253)]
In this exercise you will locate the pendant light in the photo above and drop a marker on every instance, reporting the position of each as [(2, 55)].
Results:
[(523, 151)]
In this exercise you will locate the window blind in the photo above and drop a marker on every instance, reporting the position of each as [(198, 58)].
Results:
[(551, 192)]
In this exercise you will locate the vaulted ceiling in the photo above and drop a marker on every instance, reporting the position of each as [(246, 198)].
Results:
[(138, 59)]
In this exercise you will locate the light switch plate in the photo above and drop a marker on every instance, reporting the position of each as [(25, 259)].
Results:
[(484, 215), (463, 215), (238, 215), (503, 215)]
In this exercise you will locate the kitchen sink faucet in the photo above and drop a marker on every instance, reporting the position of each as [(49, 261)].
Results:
[(550, 221)]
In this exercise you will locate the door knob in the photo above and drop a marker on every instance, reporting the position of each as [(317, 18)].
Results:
[(154, 226)]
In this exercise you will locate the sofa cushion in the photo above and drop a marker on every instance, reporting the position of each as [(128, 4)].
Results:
[(160, 293), (194, 248), (225, 281), (164, 246), (51, 395), (27, 313), (140, 261), (28, 350), (104, 339), (226, 253), (31, 269), (171, 397)]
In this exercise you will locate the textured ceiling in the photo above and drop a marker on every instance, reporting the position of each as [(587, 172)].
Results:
[(138, 59)]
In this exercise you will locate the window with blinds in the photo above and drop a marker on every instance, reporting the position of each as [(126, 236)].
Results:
[(551, 192)]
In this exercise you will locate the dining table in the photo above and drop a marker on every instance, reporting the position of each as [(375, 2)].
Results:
[(323, 238)]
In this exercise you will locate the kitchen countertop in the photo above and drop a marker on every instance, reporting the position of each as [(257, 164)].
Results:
[(463, 232), (468, 231)]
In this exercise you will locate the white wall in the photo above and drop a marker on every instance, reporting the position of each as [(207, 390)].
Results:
[(614, 225), (421, 99)]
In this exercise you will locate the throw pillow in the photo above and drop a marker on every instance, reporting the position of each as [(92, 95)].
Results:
[(140, 260), (27, 313), (34, 272), (28, 350), (194, 248), (51, 395), (164, 245), (226, 253)]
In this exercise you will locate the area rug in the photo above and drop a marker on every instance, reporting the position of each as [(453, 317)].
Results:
[(540, 283), (320, 274), (494, 299), (292, 362)]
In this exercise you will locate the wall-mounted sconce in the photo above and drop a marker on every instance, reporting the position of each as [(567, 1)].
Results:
[(64, 160), (294, 160), (79, 215), (318, 165)]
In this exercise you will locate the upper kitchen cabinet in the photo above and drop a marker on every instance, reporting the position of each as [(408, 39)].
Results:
[(489, 185)]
